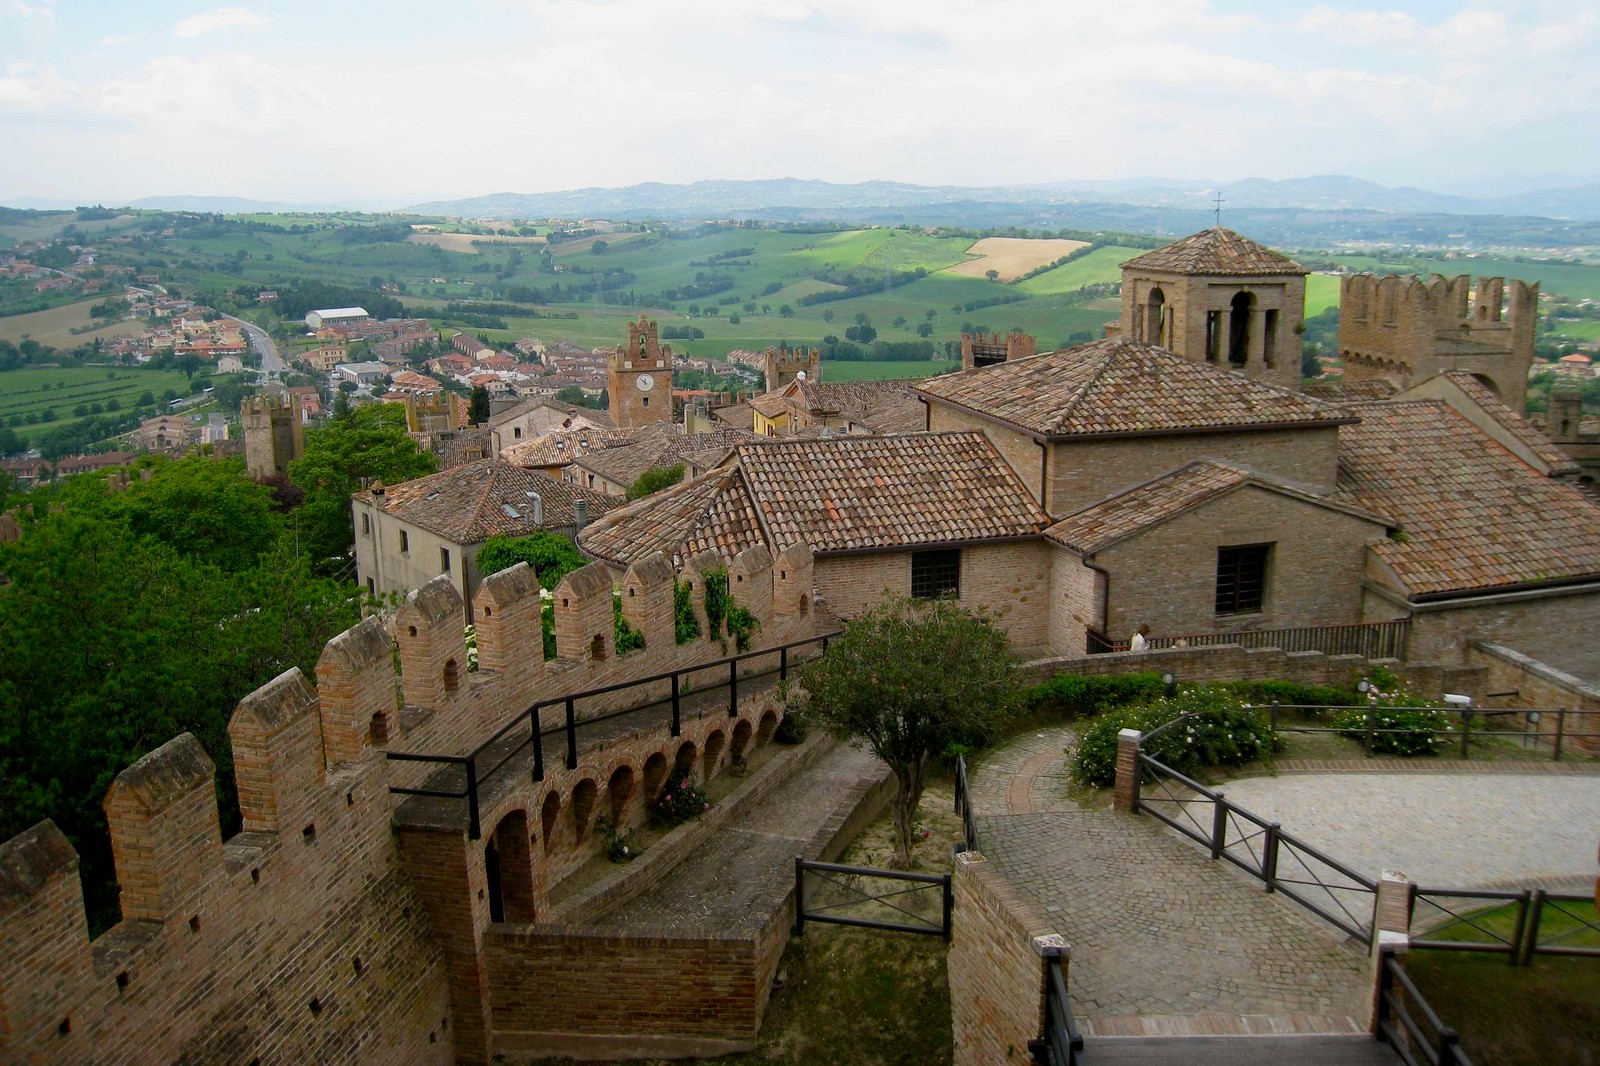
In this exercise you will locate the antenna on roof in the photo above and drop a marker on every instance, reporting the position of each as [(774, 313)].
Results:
[(1220, 201)]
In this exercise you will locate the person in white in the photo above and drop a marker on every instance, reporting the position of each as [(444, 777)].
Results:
[(1140, 639)]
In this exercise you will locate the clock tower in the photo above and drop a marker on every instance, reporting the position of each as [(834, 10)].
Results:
[(639, 378)]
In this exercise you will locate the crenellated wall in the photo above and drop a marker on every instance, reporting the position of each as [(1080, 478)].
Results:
[(338, 926)]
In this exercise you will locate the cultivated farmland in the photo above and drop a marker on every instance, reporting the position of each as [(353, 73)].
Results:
[(1013, 256), (54, 327)]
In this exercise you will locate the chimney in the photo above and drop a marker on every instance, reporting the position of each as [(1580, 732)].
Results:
[(538, 508), (580, 514)]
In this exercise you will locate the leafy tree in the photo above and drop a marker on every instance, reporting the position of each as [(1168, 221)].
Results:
[(205, 509), (654, 480), (992, 275), (368, 444), (479, 413), (908, 679), (786, 311), (551, 555)]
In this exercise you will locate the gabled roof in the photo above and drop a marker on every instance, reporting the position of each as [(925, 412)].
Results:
[(562, 446), (1475, 517), (1514, 424), (1118, 517), (471, 503), (1115, 386), (578, 415), (624, 462), (838, 495), (1215, 251)]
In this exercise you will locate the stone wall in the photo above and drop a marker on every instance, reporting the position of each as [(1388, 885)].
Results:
[(1517, 680), (995, 967)]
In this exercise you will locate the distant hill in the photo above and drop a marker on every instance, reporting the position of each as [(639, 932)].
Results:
[(788, 195)]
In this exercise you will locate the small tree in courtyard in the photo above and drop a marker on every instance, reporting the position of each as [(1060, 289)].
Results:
[(908, 679), (478, 412)]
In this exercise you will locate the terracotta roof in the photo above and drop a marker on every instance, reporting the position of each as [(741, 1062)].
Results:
[(473, 502), (1475, 517), (624, 463), (1493, 406), (1215, 251), (843, 494), (1117, 386), (591, 415), (712, 512), (881, 406), (1350, 391), (1102, 524), (562, 446)]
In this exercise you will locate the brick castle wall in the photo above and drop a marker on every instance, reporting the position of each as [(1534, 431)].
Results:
[(319, 933)]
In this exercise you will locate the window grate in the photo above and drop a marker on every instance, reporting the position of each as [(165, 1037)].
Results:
[(935, 574), (1241, 578)]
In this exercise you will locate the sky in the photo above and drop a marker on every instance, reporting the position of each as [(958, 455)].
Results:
[(401, 101)]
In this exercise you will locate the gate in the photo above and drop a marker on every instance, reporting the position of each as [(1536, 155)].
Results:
[(870, 898)]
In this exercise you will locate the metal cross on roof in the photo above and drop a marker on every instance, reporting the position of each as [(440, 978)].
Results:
[(1219, 203)]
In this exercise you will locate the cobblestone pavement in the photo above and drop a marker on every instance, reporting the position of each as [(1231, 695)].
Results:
[(1164, 941), (1462, 831)]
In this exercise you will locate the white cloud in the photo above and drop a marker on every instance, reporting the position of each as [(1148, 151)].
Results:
[(221, 18)]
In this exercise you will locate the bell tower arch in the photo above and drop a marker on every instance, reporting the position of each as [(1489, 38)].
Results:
[(639, 378)]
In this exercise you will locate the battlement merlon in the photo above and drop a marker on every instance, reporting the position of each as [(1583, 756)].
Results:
[(166, 838), (277, 752)]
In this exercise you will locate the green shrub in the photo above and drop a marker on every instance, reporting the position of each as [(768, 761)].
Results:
[(680, 800), (624, 636), (617, 840), (547, 624), (685, 626), (1221, 733), (1073, 696), (792, 727), (1295, 694), (1414, 730)]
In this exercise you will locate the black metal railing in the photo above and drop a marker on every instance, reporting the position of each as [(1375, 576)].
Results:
[(1328, 888), (1456, 920), (1559, 941), (1541, 733), (1062, 1043), (840, 895), (1408, 1024), (1371, 640), (526, 731), (969, 825)]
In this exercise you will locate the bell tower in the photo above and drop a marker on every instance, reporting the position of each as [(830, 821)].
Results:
[(639, 378)]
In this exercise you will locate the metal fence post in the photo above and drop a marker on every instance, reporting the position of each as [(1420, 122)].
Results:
[(783, 663), (1530, 939), (1372, 714), (538, 746), (677, 726), (1517, 933), (1269, 857), (1449, 1040), (1466, 732), (1219, 826), (473, 829), (733, 689), (1561, 729), (949, 904), (799, 896), (572, 735)]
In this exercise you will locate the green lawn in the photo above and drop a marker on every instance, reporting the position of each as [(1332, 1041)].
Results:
[(1322, 292), (1582, 329), (62, 389), (878, 370), (1102, 266)]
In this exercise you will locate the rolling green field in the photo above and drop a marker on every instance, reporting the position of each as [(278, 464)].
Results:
[(1322, 292), (62, 389), (1102, 266), (54, 327), (882, 370)]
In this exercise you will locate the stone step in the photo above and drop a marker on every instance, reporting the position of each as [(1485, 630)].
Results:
[(1238, 1051)]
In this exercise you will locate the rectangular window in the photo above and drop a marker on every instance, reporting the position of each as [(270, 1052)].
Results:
[(1241, 578), (516, 432), (444, 560), (405, 542), (366, 525), (935, 574), (372, 586)]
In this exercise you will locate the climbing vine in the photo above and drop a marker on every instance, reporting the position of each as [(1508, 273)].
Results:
[(625, 637), (685, 626), (717, 600)]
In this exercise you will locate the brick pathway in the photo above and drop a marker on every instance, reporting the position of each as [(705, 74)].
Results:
[(1164, 941)]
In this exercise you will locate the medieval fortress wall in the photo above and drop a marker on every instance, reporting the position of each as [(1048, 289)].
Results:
[(338, 926)]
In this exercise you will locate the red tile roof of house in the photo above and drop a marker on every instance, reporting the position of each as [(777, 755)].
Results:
[(469, 504), (1215, 251)]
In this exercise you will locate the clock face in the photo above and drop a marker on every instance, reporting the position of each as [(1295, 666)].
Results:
[(644, 382)]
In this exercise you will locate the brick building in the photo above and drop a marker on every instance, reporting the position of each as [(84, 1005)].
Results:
[(639, 378)]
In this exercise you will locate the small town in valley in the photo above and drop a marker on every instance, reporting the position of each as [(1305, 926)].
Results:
[(1012, 619)]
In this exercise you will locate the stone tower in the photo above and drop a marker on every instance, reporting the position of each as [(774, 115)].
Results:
[(274, 433), (1219, 298), (1405, 330), (783, 365), (639, 377), (987, 349)]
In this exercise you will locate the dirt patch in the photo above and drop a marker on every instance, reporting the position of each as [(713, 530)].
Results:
[(463, 242), (54, 327), (1013, 256)]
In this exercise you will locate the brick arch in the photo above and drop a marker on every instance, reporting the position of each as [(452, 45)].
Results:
[(549, 812), (655, 775), (742, 733), (584, 794), (714, 745), (683, 762), (620, 789), (769, 725), (508, 859)]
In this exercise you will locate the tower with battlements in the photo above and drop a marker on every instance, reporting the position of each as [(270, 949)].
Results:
[(783, 365), (1407, 329), (639, 377), (987, 349), (274, 434)]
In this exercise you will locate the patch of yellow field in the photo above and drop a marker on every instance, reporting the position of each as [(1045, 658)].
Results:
[(54, 327), (462, 242), (1013, 256)]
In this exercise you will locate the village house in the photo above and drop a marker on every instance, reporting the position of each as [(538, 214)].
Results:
[(408, 534), (614, 469)]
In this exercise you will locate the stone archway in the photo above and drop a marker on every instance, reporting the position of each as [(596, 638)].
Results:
[(714, 745), (549, 815), (508, 863), (683, 765), (769, 726), (655, 775), (583, 799), (620, 791)]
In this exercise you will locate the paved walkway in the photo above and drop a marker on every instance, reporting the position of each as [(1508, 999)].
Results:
[(1462, 831), (1164, 941)]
